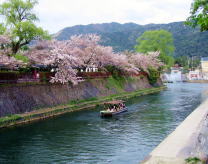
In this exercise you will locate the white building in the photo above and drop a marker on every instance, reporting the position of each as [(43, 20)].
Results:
[(204, 64), (195, 75), (204, 67), (90, 69), (174, 76)]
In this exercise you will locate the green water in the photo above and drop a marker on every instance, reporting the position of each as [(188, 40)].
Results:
[(83, 137)]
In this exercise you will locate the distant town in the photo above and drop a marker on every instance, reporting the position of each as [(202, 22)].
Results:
[(177, 73)]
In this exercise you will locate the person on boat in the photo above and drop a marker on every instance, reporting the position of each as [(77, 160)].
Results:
[(120, 106), (114, 109), (108, 109), (111, 109)]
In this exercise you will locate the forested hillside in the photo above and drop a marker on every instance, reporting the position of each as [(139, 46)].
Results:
[(188, 41)]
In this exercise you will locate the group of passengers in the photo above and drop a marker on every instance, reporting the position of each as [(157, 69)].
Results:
[(116, 108)]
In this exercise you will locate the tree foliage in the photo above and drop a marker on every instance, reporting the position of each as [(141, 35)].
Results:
[(153, 75), (2, 29), (188, 62), (157, 40), (145, 62), (199, 15), (83, 51), (19, 23)]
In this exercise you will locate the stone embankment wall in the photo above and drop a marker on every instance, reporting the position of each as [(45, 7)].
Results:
[(21, 99), (197, 81), (188, 142)]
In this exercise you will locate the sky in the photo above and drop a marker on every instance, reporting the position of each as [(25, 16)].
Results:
[(55, 15)]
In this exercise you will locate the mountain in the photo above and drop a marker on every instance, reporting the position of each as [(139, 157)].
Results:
[(188, 41)]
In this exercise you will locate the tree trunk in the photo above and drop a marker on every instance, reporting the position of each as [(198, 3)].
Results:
[(15, 48)]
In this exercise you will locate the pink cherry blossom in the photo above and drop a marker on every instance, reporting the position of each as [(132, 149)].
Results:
[(145, 61), (83, 51)]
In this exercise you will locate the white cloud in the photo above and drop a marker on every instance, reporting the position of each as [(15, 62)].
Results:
[(57, 14)]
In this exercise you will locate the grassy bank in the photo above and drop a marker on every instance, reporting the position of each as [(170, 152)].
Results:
[(70, 107)]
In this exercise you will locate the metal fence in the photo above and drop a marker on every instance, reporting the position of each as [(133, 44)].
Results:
[(19, 77)]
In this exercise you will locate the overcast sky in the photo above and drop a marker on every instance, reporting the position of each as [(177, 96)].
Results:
[(54, 15)]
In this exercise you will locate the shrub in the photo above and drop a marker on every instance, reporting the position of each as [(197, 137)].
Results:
[(21, 57), (193, 160), (153, 76)]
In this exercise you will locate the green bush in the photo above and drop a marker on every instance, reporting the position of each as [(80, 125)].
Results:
[(117, 83), (193, 160), (116, 72), (74, 102), (26, 69), (153, 76), (10, 118), (22, 58)]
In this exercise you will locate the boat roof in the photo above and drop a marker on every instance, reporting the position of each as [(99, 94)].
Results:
[(115, 102)]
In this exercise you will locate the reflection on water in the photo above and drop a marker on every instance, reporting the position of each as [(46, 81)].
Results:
[(83, 137)]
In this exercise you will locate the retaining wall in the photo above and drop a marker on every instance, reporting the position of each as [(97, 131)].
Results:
[(21, 99)]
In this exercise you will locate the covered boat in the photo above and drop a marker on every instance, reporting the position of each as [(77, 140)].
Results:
[(113, 108)]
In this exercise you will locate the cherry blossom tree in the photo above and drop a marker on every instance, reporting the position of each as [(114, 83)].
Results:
[(83, 51), (78, 52), (4, 39), (5, 52), (9, 61), (4, 45), (56, 54), (90, 52), (146, 61)]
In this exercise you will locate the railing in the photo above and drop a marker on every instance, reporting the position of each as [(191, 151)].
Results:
[(18, 77), (93, 75)]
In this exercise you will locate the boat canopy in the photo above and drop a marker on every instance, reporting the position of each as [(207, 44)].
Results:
[(115, 102)]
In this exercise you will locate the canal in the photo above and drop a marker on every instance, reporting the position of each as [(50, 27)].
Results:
[(83, 137)]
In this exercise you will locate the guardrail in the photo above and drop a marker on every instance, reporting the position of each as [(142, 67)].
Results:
[(18, 77)]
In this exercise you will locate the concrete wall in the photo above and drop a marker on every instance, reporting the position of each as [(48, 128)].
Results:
[(21, 99), (190, 139)]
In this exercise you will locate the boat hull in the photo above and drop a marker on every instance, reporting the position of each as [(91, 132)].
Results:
[(110, 114)]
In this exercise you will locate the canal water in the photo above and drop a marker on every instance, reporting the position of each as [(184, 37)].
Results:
[(83, 137)]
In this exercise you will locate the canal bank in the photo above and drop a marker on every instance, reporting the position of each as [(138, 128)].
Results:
[(197, 81), (187, 144), (24, 98), (44, 113)]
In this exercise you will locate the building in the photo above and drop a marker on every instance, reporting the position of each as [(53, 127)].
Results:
[(204, 64), (195, 75), (89, 69), (175, 75), (204, 67)]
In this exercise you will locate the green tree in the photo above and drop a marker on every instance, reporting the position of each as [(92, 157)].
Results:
[(188, 62), (199, 15), (20, 23), (2, 29), (157, 40), (183, 61)]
